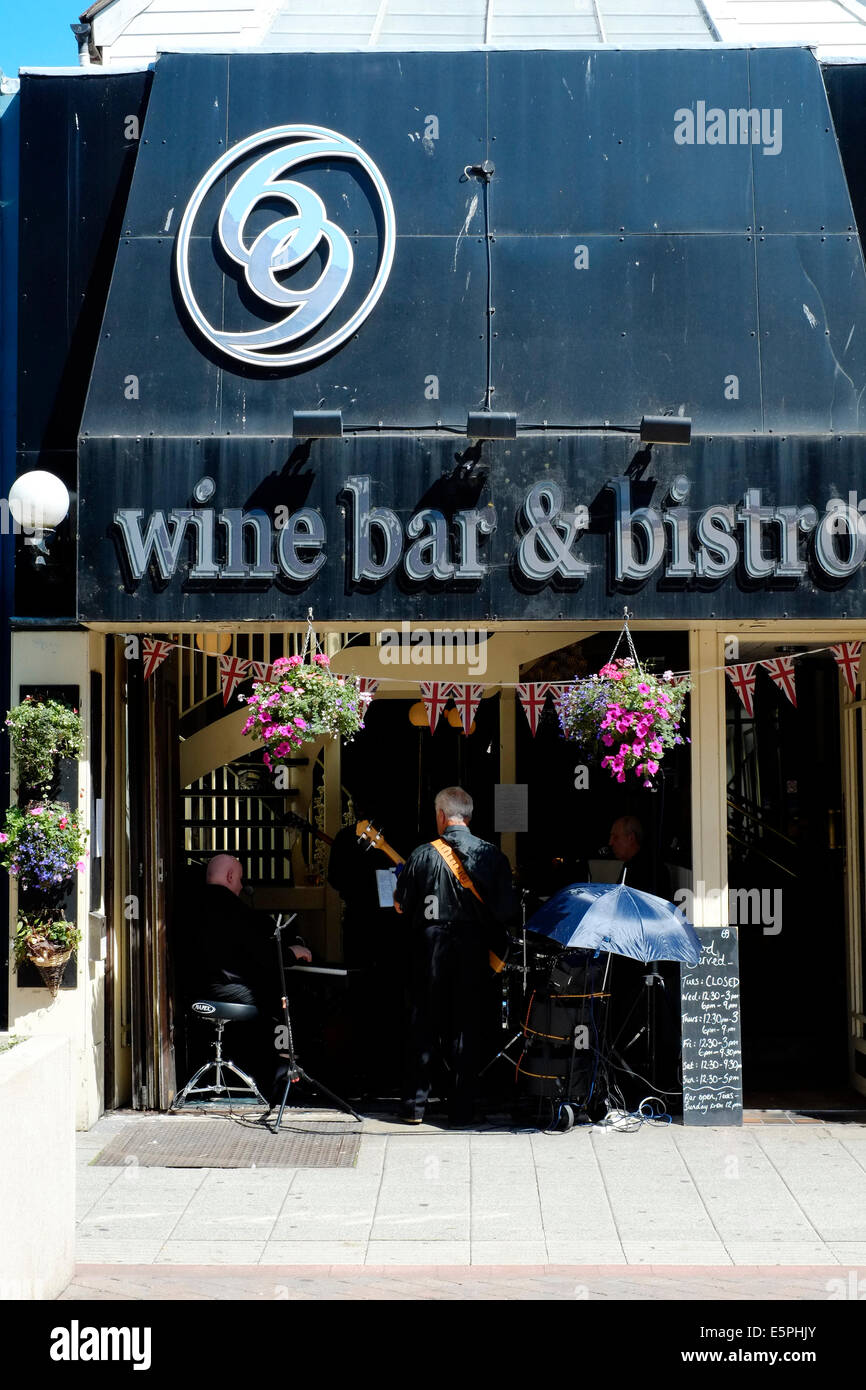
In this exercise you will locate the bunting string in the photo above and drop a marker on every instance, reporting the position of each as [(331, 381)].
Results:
[(532, 695)]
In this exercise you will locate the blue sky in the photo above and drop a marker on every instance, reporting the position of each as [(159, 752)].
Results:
[(35, 33)]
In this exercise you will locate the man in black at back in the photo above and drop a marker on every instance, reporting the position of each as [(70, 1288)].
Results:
[(640, 869), (648, 875), (231, 957), (458, 901)]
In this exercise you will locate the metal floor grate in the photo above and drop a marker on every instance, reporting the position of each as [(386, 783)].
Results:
[(170, 1143)]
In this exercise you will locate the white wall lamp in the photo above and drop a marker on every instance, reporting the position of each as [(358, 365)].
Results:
[(38, 502)]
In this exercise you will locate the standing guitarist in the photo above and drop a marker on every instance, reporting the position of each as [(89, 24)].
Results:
[(457, 897)]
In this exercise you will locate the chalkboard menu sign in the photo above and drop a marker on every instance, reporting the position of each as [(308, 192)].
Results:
[(712, 1064)]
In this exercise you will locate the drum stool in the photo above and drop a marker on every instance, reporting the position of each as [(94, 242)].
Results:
[(220, 1013)]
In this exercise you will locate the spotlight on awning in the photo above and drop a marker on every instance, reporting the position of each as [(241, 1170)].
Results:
[(666, 429), (491, 424), (317, 424)]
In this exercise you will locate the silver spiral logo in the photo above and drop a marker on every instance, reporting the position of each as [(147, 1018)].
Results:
[(285, 245)]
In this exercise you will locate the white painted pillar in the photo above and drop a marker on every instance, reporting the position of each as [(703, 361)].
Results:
[(709, 777)]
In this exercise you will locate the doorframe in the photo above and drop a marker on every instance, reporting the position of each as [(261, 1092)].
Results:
[(852, 711)]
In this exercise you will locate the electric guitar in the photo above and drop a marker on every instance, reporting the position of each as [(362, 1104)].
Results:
[(372, 839), (365, 830)]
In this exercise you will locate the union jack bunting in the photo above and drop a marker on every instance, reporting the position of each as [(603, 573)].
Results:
[(467, 699), (847, 656), (367, 685), (232, 672), (435, 695), (678, 680), (153, 654), (555, 688), (781, 670), (533, 698), (743, 679), (262, 670)]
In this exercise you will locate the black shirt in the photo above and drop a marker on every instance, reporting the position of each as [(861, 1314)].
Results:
[(229, 945), (427, 876)]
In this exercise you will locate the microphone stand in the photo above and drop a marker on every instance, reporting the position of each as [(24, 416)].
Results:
[(295, 1070)]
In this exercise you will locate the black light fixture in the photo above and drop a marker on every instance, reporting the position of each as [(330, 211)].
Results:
[(666, 429), (317, 424), (491, 424)]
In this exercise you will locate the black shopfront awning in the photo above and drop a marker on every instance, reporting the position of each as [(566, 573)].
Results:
[(576, 239)]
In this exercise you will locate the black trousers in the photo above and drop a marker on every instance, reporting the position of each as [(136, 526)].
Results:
[(448, 987)]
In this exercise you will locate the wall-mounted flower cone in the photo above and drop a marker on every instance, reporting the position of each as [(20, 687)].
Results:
[(51, 968)]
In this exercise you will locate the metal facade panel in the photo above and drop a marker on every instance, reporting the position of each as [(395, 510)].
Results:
[(846, 94), (150, 377), (77, 158), (584, 142), (783, 83), (416, 362), (748, 476), (813, 345), (639, 330), (387, 371), (185, 131), (382, 102), (624, 275)]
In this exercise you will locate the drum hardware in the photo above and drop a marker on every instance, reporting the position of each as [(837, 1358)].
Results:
[(295, 1072), (564, 1035), (654, 1006), (510, 970)]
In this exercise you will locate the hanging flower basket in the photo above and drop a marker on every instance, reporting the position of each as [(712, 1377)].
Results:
[(625, 717), (42, 846), (42, 732), (48, 944), (302, 702)]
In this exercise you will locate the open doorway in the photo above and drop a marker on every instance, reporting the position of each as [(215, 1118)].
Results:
[(787, 879)]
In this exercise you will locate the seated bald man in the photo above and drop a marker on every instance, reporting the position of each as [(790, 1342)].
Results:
[(232, 958)]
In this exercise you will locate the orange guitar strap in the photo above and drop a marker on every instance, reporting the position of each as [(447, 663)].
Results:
[(453, 861)]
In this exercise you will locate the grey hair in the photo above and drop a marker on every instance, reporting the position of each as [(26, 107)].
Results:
[(632, 826), (455, 803)]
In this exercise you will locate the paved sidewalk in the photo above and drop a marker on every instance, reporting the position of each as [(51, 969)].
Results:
[(558, 1283), (790, 1197)]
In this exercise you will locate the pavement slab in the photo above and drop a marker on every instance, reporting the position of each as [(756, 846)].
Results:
[(397, 1280), (662, 1197)]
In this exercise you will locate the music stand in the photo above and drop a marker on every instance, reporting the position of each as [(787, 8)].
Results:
[(295, 1071)]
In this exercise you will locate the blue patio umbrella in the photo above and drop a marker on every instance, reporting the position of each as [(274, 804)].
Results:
[(615, 918)]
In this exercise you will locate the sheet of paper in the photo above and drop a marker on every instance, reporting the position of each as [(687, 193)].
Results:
[(386, 881), (511, 806)]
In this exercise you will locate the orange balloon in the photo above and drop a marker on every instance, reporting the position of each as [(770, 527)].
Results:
[(418, 714), (453, 717)]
